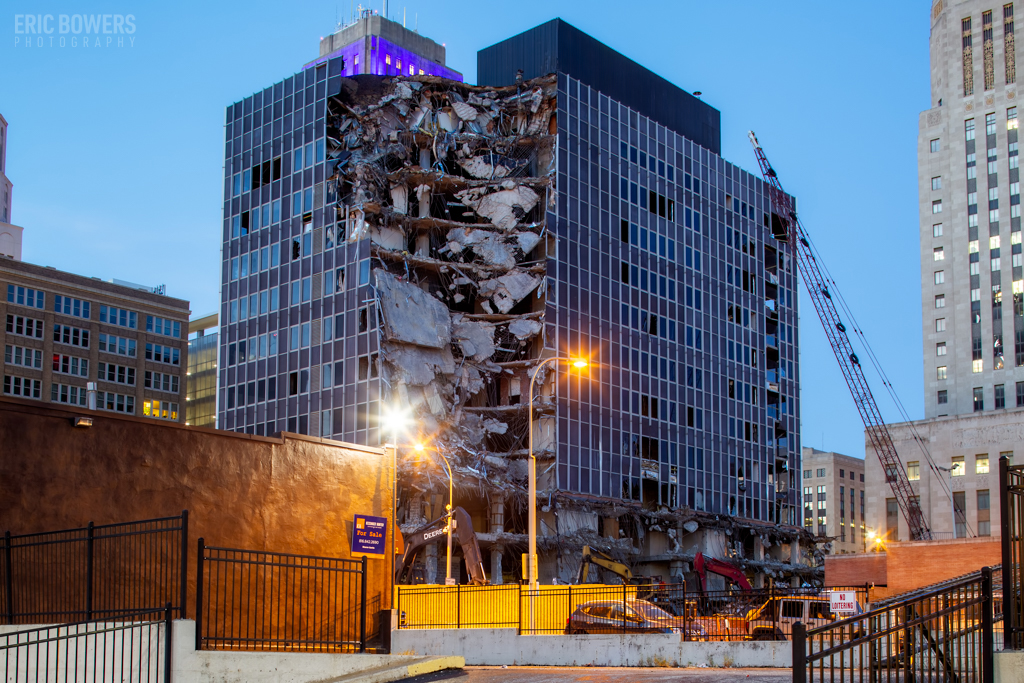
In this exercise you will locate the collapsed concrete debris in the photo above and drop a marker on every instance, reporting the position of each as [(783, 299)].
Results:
[(452, 184)]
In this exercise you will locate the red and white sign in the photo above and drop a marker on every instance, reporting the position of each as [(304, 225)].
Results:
[(843, 602)]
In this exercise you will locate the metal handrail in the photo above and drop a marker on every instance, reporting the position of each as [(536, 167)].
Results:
[(972, 578)]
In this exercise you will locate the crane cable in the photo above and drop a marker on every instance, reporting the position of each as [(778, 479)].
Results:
[(886, 382)]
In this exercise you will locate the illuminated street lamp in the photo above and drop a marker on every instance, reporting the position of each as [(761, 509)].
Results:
[(532, 573), (451, 485), (394, 420)]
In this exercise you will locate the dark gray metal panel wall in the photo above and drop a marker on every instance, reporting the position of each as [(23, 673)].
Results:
[(560, 47)]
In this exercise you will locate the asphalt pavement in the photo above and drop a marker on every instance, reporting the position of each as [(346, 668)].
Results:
[(556, 674)]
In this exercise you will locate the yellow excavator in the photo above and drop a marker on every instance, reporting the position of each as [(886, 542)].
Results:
[(596, 557)]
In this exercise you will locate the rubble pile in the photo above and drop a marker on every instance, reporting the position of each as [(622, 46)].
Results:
[(451, 183)]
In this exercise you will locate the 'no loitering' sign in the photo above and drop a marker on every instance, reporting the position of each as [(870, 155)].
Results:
[(843, 602), (368, 536)]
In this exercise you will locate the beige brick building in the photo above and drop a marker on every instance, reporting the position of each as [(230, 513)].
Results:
[(64, 332), (833, 498), (963, 471)]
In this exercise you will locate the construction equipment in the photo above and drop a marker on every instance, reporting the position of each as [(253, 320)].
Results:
[(702, 565), (596, 557), (463, 528), (786, 228)]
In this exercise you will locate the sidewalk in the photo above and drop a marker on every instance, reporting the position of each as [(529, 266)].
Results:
[(395, 672)]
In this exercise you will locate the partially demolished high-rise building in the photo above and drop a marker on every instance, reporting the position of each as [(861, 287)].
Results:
[(422, 243)]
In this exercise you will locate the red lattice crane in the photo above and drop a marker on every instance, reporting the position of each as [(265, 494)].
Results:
[(786, 227)]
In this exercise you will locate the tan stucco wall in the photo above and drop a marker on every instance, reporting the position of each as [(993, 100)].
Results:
[(294, 494)]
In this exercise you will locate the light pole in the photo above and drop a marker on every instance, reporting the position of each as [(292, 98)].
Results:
[(451, 508), (532, 573), (394, 420)]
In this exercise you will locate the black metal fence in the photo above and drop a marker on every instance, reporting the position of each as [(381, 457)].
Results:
[(136, 649), (943, 634), (767, 614), (1011, 503), (256, 600), (95, 572)]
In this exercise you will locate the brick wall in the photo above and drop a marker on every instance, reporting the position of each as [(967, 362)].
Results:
[(915, 564), (855, 570)]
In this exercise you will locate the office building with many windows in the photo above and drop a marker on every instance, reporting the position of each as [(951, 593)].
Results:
[(972, 286), (834, 501), (10, 235), (201, 395), (972, 277), (65, 334), (430, 253)]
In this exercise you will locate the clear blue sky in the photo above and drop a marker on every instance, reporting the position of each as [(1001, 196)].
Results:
[(116, 153)]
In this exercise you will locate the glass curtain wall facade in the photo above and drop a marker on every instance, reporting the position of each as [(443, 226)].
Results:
[(667, 270), (201, 406), (294, 299)]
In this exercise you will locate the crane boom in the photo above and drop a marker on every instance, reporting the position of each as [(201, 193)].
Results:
[(786, 227)]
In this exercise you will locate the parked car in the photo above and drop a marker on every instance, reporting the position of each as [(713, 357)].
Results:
[(774, 619), (630, 616)]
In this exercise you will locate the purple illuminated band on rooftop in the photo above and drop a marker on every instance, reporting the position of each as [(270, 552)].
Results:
[(380, 51)]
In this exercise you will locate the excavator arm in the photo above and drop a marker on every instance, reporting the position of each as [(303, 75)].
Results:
[(590, 556), (425, 535), (702, 565)]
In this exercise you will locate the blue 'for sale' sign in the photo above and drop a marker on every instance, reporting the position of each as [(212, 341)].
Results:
[(368, 536)]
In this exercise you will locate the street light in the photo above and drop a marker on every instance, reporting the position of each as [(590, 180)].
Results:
[(451, 485), (394, 419), (532, 573)]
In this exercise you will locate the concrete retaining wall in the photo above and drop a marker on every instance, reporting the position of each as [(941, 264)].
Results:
[(1008, 666), (481, 646), (192, 666)]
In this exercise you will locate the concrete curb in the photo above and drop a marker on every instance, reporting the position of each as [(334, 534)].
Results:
[(386, 674)]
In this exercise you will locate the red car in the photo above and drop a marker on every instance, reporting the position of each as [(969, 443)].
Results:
[(630, 616)]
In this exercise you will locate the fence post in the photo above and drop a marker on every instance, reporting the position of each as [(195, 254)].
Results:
[(987, 641), (799, 653), (686, 615), (623, 606), (200, 553), (184, 562), (8, 579), (873, 648), (88, 571), (571, 609), (909, 645), (168, 642), (520, 608), (362, 608), (1009, 575)]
